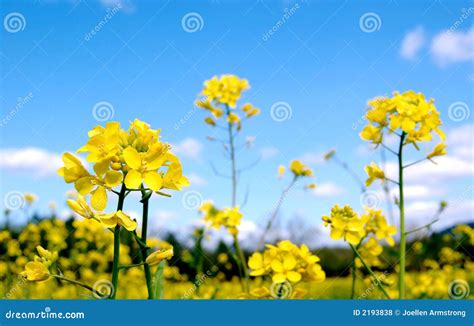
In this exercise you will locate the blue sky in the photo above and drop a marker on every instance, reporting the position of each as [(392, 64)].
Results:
[(320, 59)]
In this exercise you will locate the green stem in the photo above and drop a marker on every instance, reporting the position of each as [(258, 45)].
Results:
[(62, 278), (116, 262), (353, 272), (144, 255), (371, 272), (402, 253), (283, 195), (245, 281), (241, 256), (232, 159)]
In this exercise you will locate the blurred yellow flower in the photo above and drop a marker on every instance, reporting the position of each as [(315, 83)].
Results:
[(374, 172), (439, 150)]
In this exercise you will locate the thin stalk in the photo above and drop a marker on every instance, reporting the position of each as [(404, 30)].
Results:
[(386, 189), (351, 172), (241, 257), (62, 278), (402, 253), (283, 195), (371, 272), (116, 262), (353, 272), (238, 250), (232, 159), (146, 267)]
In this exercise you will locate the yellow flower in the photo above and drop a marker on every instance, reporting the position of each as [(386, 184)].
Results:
[(73, 169), (225, 90), (103, 143), (374, 172), (284, 269), (281, 171), (372, 133), (156, 257), (409, 111), (299, 169), (98, 185), (439, 150), (311, 186), (346, 224), (111, 220), (257, 265), (385, 231), (30, 198), (35, 271), (174, 178), (210, 121), (81, 207), (233, 118), (250, 110), (229, 218), (144, 166)]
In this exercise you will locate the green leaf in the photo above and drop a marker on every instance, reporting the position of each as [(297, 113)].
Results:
[(159, 281)]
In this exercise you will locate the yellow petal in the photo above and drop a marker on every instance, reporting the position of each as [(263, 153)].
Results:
[(279, 278), (153, 180), (126, 221), (84, 185), (133, 180), (132, 158), (108, 220), (99, 199), (113, 178), (294, 277)]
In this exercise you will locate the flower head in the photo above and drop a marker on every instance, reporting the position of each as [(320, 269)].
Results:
[(374, 172), (286, 262), (156, 257)]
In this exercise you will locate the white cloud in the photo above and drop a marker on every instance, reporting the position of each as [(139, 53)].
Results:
[(269, 152), (196, 180), (412, 43), (189, 147), (36, 162), (453, 47), (328, 189), (458, 163), (312, 158)]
